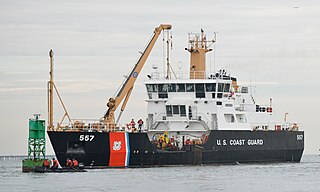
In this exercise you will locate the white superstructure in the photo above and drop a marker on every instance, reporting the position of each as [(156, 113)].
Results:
[(197, 105), (192, 105)]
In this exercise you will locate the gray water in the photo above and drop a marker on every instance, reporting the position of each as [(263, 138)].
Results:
[(304, 176)]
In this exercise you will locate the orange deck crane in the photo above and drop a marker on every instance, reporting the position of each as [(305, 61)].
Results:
[(126, 88)]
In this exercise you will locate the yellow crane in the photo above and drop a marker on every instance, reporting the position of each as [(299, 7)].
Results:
[(126, 88)]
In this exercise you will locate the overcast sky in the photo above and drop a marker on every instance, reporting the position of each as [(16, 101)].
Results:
[(273, 45)]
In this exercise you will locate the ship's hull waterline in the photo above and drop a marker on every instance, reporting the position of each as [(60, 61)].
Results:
[(120, 149)]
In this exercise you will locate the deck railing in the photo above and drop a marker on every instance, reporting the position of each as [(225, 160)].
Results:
[(191, 75)]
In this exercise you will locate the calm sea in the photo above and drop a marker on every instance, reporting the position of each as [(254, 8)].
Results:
[(304, 176)]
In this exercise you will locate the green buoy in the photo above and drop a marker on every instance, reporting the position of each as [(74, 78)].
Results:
[(36, 144)]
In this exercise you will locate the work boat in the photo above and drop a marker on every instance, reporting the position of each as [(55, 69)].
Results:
[(195, 118)]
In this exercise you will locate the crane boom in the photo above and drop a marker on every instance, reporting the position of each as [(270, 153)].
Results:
[(126, 88)]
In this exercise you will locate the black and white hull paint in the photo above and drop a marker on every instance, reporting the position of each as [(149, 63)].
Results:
[(220, 119), (96, 150)]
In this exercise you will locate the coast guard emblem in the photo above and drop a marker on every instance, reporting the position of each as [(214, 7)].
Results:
[(135, 74), (116, 145), (119, 149)]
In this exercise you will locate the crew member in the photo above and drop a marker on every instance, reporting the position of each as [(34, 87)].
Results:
[(46, 163), (172, 139), (55, 164), (133, 125), (188, 142), (140, 123), (160, 142), (69, 163), (165, 137), (75, 163)]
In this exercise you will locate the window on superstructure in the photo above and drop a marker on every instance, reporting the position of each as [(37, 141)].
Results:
[(213, 95), (169, 110), (182, 110), (210, 87), (175, 109), (152, 87), (227, 87), (229, 118), (163, 90), (219, 95), (241, 118), (181, 87), (244, 89), (172, 87), (220, 87), (232, 119), (200, 93), (190, 87)]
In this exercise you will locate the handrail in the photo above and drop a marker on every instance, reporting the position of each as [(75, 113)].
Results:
[(184, 75), (156, 120)]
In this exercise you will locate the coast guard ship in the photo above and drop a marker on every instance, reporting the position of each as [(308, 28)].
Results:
[(195, 118)]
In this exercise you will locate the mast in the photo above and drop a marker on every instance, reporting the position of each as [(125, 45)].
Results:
[(168, 76), (198, 47), (51, 88), (50, 93)]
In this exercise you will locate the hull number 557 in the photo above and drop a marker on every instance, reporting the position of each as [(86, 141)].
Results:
[(86, 137), (299, 137)]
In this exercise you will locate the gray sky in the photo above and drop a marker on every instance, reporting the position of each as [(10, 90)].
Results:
[(273, 45)]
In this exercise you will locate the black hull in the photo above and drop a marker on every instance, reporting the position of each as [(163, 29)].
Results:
[(221, 147)]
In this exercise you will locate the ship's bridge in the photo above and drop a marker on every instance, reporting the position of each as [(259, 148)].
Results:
[(213, 87)]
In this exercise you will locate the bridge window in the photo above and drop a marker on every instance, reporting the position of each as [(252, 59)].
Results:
[(220, 87), (172, 87), (190, 87), (227, 87), (181, 87), (200, 90), (210, 87), (163, 90), (152, 88)]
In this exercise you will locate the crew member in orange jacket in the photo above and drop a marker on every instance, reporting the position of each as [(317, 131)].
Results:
[(133, 125), (75, 163), (69, 163), (55, 164), (46, 163)]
